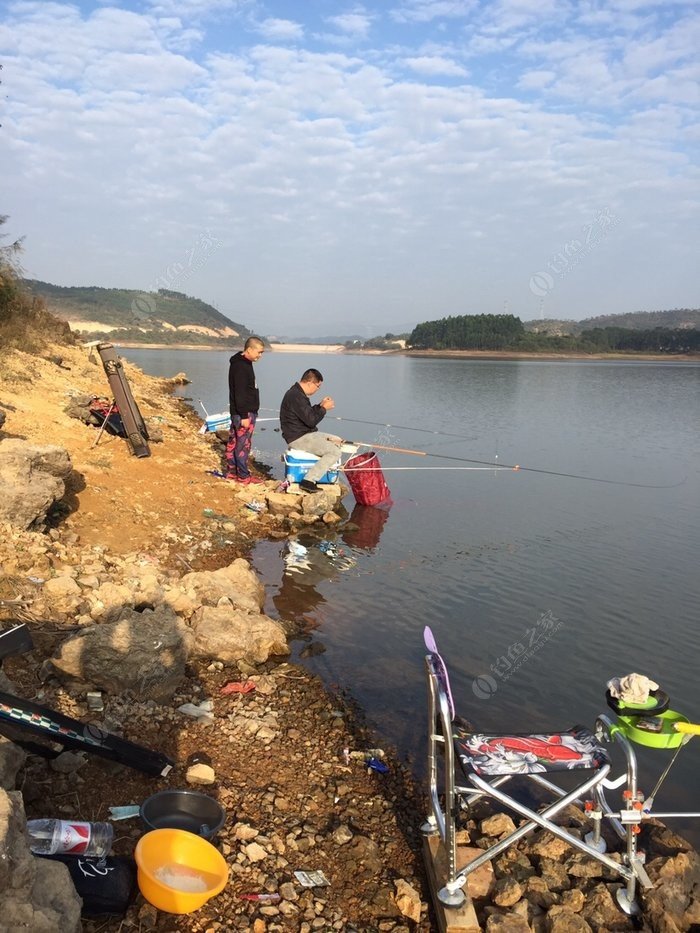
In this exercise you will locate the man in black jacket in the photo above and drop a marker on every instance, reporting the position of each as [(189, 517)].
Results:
[(298, 420), (244, 400)]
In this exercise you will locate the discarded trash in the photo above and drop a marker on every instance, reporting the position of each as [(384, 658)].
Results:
[(198, 758), (328, 548), (237, 686), (215, 516), (94, 702), (374, 764), (124, 813), (202, 712), (283, 486), (369, 753), (296, 559), (312, 879), (265, 898), (346, 755), (216, 473), (46, 837), (255, 506)]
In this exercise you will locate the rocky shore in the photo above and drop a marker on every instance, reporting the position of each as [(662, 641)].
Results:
[(131, 576)]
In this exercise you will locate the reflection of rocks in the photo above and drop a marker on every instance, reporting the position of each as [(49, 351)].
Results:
[(313, 649), (32, 478)]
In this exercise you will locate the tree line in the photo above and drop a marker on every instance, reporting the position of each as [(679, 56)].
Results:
[(506, 332)]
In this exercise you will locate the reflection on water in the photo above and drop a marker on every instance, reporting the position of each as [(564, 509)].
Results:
[(309, 561), (366, 525)]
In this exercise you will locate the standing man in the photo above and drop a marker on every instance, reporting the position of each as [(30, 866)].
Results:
[(244, 400), (298, 420)]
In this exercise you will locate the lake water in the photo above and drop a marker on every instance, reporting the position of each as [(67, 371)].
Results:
[(593, 578)]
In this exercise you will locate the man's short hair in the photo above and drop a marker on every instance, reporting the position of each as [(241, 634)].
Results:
[(253, 342), (312, 375)]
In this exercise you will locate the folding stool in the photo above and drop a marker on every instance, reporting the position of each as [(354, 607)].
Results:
[(489, 762)]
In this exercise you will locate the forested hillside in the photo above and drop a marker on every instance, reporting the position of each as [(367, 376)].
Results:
[(682, 318), (507, 332), (164, 316)]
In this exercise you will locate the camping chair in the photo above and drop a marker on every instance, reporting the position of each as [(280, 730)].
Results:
[(488, 762)]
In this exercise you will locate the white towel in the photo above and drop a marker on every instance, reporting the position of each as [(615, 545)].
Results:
[(632, 688)]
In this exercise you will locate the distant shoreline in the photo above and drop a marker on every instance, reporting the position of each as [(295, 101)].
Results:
[(558, 357), (434, 354)]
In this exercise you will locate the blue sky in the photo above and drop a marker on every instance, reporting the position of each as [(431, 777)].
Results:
[(326, 167)]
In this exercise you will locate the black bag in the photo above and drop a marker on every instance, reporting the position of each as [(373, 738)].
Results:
[(106, 885)]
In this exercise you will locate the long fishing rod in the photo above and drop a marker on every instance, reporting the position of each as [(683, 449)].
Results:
[(399, 427), (517, 468)]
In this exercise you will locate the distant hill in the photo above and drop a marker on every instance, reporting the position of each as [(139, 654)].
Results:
[(140, 317), (679, 318), (312, 341)]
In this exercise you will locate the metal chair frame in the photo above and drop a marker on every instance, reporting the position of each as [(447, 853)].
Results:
[(443, 819)]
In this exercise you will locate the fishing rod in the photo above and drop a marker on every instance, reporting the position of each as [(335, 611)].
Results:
[(399, 427), (515, 467)]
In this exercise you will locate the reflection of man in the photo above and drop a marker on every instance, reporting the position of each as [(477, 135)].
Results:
[(298, 420), (244, 400)]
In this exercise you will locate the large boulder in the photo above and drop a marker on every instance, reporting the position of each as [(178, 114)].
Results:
[(37, 895), (62, 595), (144, 652), (237, 582), (32, 478), (229, 634), (11, 760)]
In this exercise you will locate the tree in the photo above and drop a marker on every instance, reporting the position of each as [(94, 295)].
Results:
[(10, 269)]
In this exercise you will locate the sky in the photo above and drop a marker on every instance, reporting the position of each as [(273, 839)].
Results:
[(323, 167)]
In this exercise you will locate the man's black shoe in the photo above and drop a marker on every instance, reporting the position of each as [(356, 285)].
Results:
[(307, 485)]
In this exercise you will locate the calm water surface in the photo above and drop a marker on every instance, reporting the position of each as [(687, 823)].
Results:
[(596, 578)]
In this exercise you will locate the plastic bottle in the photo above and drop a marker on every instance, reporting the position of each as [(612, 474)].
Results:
[(46, 837)]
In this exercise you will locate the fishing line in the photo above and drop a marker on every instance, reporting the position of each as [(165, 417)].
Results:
[(521, 469), (515, 467), (385, 469), (399, 427)]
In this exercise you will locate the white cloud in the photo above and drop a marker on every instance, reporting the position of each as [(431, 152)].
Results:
[(196, 8), (534, 80), (280, 29), (435, 65), (424, 11), (128, 134), (355, 24)]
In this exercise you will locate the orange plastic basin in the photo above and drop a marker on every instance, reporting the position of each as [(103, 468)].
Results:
[(179, 872)]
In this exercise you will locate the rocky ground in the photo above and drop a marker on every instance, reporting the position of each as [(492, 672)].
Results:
[(142, 546)]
